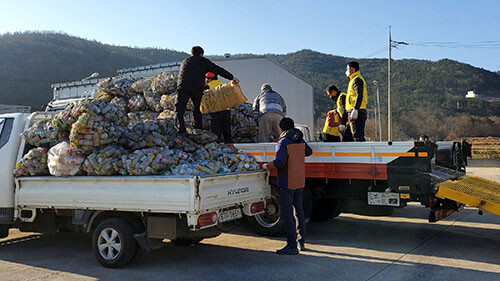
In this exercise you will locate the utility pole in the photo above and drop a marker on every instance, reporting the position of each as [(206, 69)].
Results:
[(377, 112), (392, 44), (389, 124)]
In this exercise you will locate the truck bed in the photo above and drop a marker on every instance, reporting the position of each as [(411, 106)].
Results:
[(161, 194)]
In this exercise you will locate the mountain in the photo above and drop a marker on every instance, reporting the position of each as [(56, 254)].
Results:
[(30, 62), (427, 97)]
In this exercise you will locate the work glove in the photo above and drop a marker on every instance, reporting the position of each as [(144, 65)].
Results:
[(236, 80), (342, 129), (354, 114), (264, 166)]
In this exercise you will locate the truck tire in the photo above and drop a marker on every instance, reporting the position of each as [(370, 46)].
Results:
[(113, 243), (326, 208), (269, 223), (4, 230), (185, 242)]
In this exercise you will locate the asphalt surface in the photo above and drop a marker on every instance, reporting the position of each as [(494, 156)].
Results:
[(404, 246)]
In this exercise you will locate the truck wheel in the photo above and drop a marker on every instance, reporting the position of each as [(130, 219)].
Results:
[(269, 223), (4, 230), (113, 243), (185, 242), (326, 208)]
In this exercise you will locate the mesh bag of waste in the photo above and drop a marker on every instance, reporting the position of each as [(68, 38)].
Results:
[(140, 86), (183, 143), (207, 122), (67, 116), (168, 102), (148, 161), (64, 160), (33, 163), (243, 126), (134, 117), (121, 103), (103, 96), (104, 162), (222, 97), (170, 115), (243, 162), (107, 110), (92, 130), (201, 136), (153, 101), (188, 169), (117, 86), (149, 133), (164, 83), (43, 133), (137, 103)]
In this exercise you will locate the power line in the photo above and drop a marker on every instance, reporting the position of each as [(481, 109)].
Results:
[(379, 51), (490, 44)]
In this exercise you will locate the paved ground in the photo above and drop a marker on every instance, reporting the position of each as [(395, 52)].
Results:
[(401, 247), (487, 168)]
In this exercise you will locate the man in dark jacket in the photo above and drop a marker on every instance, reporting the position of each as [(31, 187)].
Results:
[(291, 151), (268, 107), (191, 83), (221, 120)]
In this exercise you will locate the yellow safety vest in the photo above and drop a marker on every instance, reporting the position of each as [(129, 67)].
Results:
[(339, 105), (214, 83), (351, 94), (334, 131)]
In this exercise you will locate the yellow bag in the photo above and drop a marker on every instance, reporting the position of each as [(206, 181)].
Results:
[(221, 98)]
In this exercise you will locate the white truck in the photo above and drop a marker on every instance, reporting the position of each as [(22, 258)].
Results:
[(125, 213)]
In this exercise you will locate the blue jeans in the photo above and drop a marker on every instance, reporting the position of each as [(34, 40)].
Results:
[(290, 199)]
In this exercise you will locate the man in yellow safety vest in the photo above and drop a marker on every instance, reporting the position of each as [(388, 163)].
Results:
[(357, 97), (340, 99)]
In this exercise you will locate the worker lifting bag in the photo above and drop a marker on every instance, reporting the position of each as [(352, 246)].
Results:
[(221, 98)]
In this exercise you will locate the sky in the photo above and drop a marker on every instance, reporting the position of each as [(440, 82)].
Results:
[(466, 31)]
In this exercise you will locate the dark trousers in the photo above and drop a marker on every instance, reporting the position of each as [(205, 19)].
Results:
[(290, 199), (329, 138), (221, 125), (183, 96), (347, 135), (358, 125)]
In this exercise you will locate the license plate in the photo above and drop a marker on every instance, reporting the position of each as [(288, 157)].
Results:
[(383, 199), (230, 215)]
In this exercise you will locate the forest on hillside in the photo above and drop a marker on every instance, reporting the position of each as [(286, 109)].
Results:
[(427, 97)]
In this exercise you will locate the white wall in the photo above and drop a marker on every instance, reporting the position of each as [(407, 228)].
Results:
[(253, 72)]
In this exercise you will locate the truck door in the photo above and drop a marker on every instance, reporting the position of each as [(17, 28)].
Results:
[(6, 171)]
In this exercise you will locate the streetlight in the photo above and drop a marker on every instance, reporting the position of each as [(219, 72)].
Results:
[(377, 113), (93, 75)]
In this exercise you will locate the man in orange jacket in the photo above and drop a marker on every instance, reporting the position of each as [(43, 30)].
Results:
[(291, 151)]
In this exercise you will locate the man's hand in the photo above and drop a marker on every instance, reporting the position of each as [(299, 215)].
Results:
[(342, 129), (268, 165), (354, 114)]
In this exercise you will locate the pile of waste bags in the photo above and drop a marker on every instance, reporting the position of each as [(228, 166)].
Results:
[(33, 163), (129, 129)]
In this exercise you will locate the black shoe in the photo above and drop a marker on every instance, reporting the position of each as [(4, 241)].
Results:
[(287, 251), (302, 247)]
